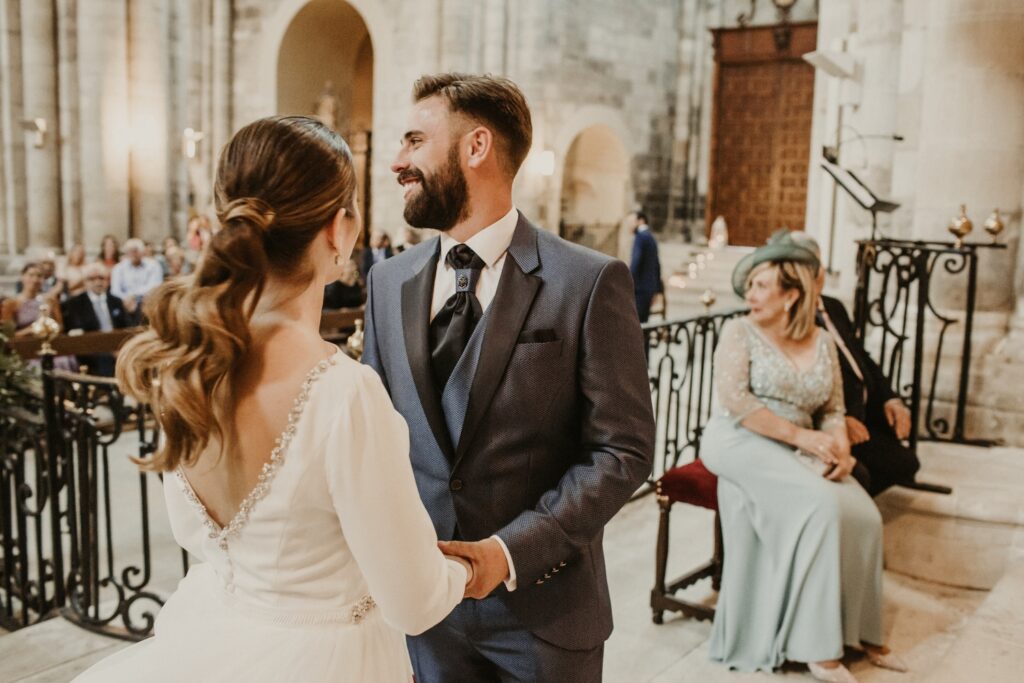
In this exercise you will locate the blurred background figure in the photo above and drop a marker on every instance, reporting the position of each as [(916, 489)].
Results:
[(347, 291), (380, 249), (175, 263), (96, 310), (198, 233), (644, 265), (410, 238), (23, 308), (110, 252), (135, 277), (70, 269)]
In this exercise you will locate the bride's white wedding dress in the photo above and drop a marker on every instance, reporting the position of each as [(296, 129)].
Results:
[(328, 561)]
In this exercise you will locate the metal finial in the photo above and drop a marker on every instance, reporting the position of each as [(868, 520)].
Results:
[(47, 329), (355, 340)]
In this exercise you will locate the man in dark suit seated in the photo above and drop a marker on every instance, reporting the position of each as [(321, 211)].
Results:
[(876, 419), (96, 310)]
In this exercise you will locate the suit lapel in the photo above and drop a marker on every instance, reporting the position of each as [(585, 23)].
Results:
[(417, 293), (507, 312)]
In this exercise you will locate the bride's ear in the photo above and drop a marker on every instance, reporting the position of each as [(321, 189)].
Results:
[(336, 229)]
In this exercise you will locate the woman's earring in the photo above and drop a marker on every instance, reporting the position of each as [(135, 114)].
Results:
[(787, 306), (337, 259)]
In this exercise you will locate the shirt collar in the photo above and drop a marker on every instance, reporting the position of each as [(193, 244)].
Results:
[(642, 227), (490, 243)]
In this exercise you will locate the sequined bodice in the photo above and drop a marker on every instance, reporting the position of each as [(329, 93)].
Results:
[(751, 373)]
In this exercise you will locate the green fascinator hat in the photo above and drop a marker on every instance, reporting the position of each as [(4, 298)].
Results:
[(780, 247)]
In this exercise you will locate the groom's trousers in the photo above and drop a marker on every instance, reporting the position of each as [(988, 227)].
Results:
[(482, 641)]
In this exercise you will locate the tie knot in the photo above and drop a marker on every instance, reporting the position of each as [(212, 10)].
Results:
[(461, 257)]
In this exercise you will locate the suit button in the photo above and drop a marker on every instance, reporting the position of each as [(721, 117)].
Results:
[(456, 485)]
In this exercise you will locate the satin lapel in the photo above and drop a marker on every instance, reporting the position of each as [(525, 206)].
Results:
[(507, 312), (417, 293)]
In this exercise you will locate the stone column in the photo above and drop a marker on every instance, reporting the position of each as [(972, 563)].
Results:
[(103, 114), (70, 169), (42, 163), (12, 139), (962, 94), (970, 138), (149, 90)]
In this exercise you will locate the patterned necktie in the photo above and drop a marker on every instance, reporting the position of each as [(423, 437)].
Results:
[(454, 323)]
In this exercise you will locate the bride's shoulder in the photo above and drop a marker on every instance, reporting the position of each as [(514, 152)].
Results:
[(346, 379)]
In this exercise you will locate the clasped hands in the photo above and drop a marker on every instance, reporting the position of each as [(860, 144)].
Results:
[(485, 563), (830, 450)]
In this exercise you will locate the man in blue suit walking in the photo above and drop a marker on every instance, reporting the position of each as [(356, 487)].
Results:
[(645, 266)]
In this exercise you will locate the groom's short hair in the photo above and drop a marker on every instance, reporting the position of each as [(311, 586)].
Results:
[(495, 102)]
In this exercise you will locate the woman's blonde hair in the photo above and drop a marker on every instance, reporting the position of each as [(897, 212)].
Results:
[(280, 181), (800, 277)]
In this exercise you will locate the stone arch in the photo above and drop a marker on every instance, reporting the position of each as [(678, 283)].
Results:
[(323, 64), (594, 189)]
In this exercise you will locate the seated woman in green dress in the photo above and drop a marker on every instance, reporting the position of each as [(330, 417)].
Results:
[(803, 541)]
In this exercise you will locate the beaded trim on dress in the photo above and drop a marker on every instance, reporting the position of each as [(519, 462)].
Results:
[(270, 468)]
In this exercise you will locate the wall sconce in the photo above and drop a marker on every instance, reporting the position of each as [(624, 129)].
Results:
[(37, 126), (190, 140), (546, 163)]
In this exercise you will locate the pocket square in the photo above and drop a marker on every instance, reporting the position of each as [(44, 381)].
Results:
[(536, 337)]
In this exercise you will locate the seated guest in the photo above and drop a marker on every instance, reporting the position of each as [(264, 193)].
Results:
[(347, 291), (135, 277), (380, 249), (24, 309), (803, 541), (110, 252), (175, 263), (70, 270), (96, 310), (876, 419)]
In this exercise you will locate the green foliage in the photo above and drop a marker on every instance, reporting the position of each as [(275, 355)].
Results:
[(17, 379)]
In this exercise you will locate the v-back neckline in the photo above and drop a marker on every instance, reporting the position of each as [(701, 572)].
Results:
[(222, 533), (775, 347)]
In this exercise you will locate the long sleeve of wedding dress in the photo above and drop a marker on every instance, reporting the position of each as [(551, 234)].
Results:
[(384, 522)]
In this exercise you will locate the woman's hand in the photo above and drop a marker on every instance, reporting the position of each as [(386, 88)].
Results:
[(843, 469), (821, 445)]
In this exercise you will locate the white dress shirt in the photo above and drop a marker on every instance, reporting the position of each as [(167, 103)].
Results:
[(491, 245), (131, 281), (99, 306)]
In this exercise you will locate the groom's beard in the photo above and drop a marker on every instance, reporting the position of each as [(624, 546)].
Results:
[(443, 199)]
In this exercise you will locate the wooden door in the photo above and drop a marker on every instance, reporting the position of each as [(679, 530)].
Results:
[(761, 130)]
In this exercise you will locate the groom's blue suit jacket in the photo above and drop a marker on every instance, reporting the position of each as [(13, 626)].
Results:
[(545, 428)]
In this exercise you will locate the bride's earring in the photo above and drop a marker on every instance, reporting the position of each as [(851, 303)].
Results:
[(337, 259)]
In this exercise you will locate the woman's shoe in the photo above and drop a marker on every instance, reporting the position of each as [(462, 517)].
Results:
[(839, 674), (890, 660)]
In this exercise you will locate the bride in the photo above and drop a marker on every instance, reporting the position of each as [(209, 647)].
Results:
[(286, 468)]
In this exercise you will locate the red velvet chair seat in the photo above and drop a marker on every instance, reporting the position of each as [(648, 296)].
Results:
[(691, 483)]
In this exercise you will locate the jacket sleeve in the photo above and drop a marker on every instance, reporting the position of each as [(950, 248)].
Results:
[(371, 352), (617, 437)]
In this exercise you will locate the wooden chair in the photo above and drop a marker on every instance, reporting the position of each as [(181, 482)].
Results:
[(692, 484)]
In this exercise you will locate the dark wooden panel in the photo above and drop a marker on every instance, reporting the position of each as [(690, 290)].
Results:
[(763, 107)]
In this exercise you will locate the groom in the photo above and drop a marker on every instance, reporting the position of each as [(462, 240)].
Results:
[(517, 360)]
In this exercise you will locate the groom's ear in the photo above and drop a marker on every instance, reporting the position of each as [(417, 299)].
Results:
[(479, 144)]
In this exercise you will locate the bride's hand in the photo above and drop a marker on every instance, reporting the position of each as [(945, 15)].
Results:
[(470, 572)]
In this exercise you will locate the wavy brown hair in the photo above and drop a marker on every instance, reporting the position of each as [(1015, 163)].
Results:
[(280, 181)]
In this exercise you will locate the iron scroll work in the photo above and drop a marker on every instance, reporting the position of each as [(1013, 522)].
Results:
[(76, 534), (896, 315)]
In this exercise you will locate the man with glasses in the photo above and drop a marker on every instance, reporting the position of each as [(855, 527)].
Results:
[(96, 310)]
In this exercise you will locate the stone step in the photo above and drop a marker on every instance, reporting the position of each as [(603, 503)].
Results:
[(968, 538)]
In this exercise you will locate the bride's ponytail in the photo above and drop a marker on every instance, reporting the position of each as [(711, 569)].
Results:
[(280, 181)]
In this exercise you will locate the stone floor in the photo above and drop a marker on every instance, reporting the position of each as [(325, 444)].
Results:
[(922, 618)]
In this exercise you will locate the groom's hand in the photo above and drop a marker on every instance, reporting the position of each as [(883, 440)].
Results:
[(490, 567)]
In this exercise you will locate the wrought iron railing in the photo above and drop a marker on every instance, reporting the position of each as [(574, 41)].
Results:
[(680, 364), (898, 318), (66, 528)]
